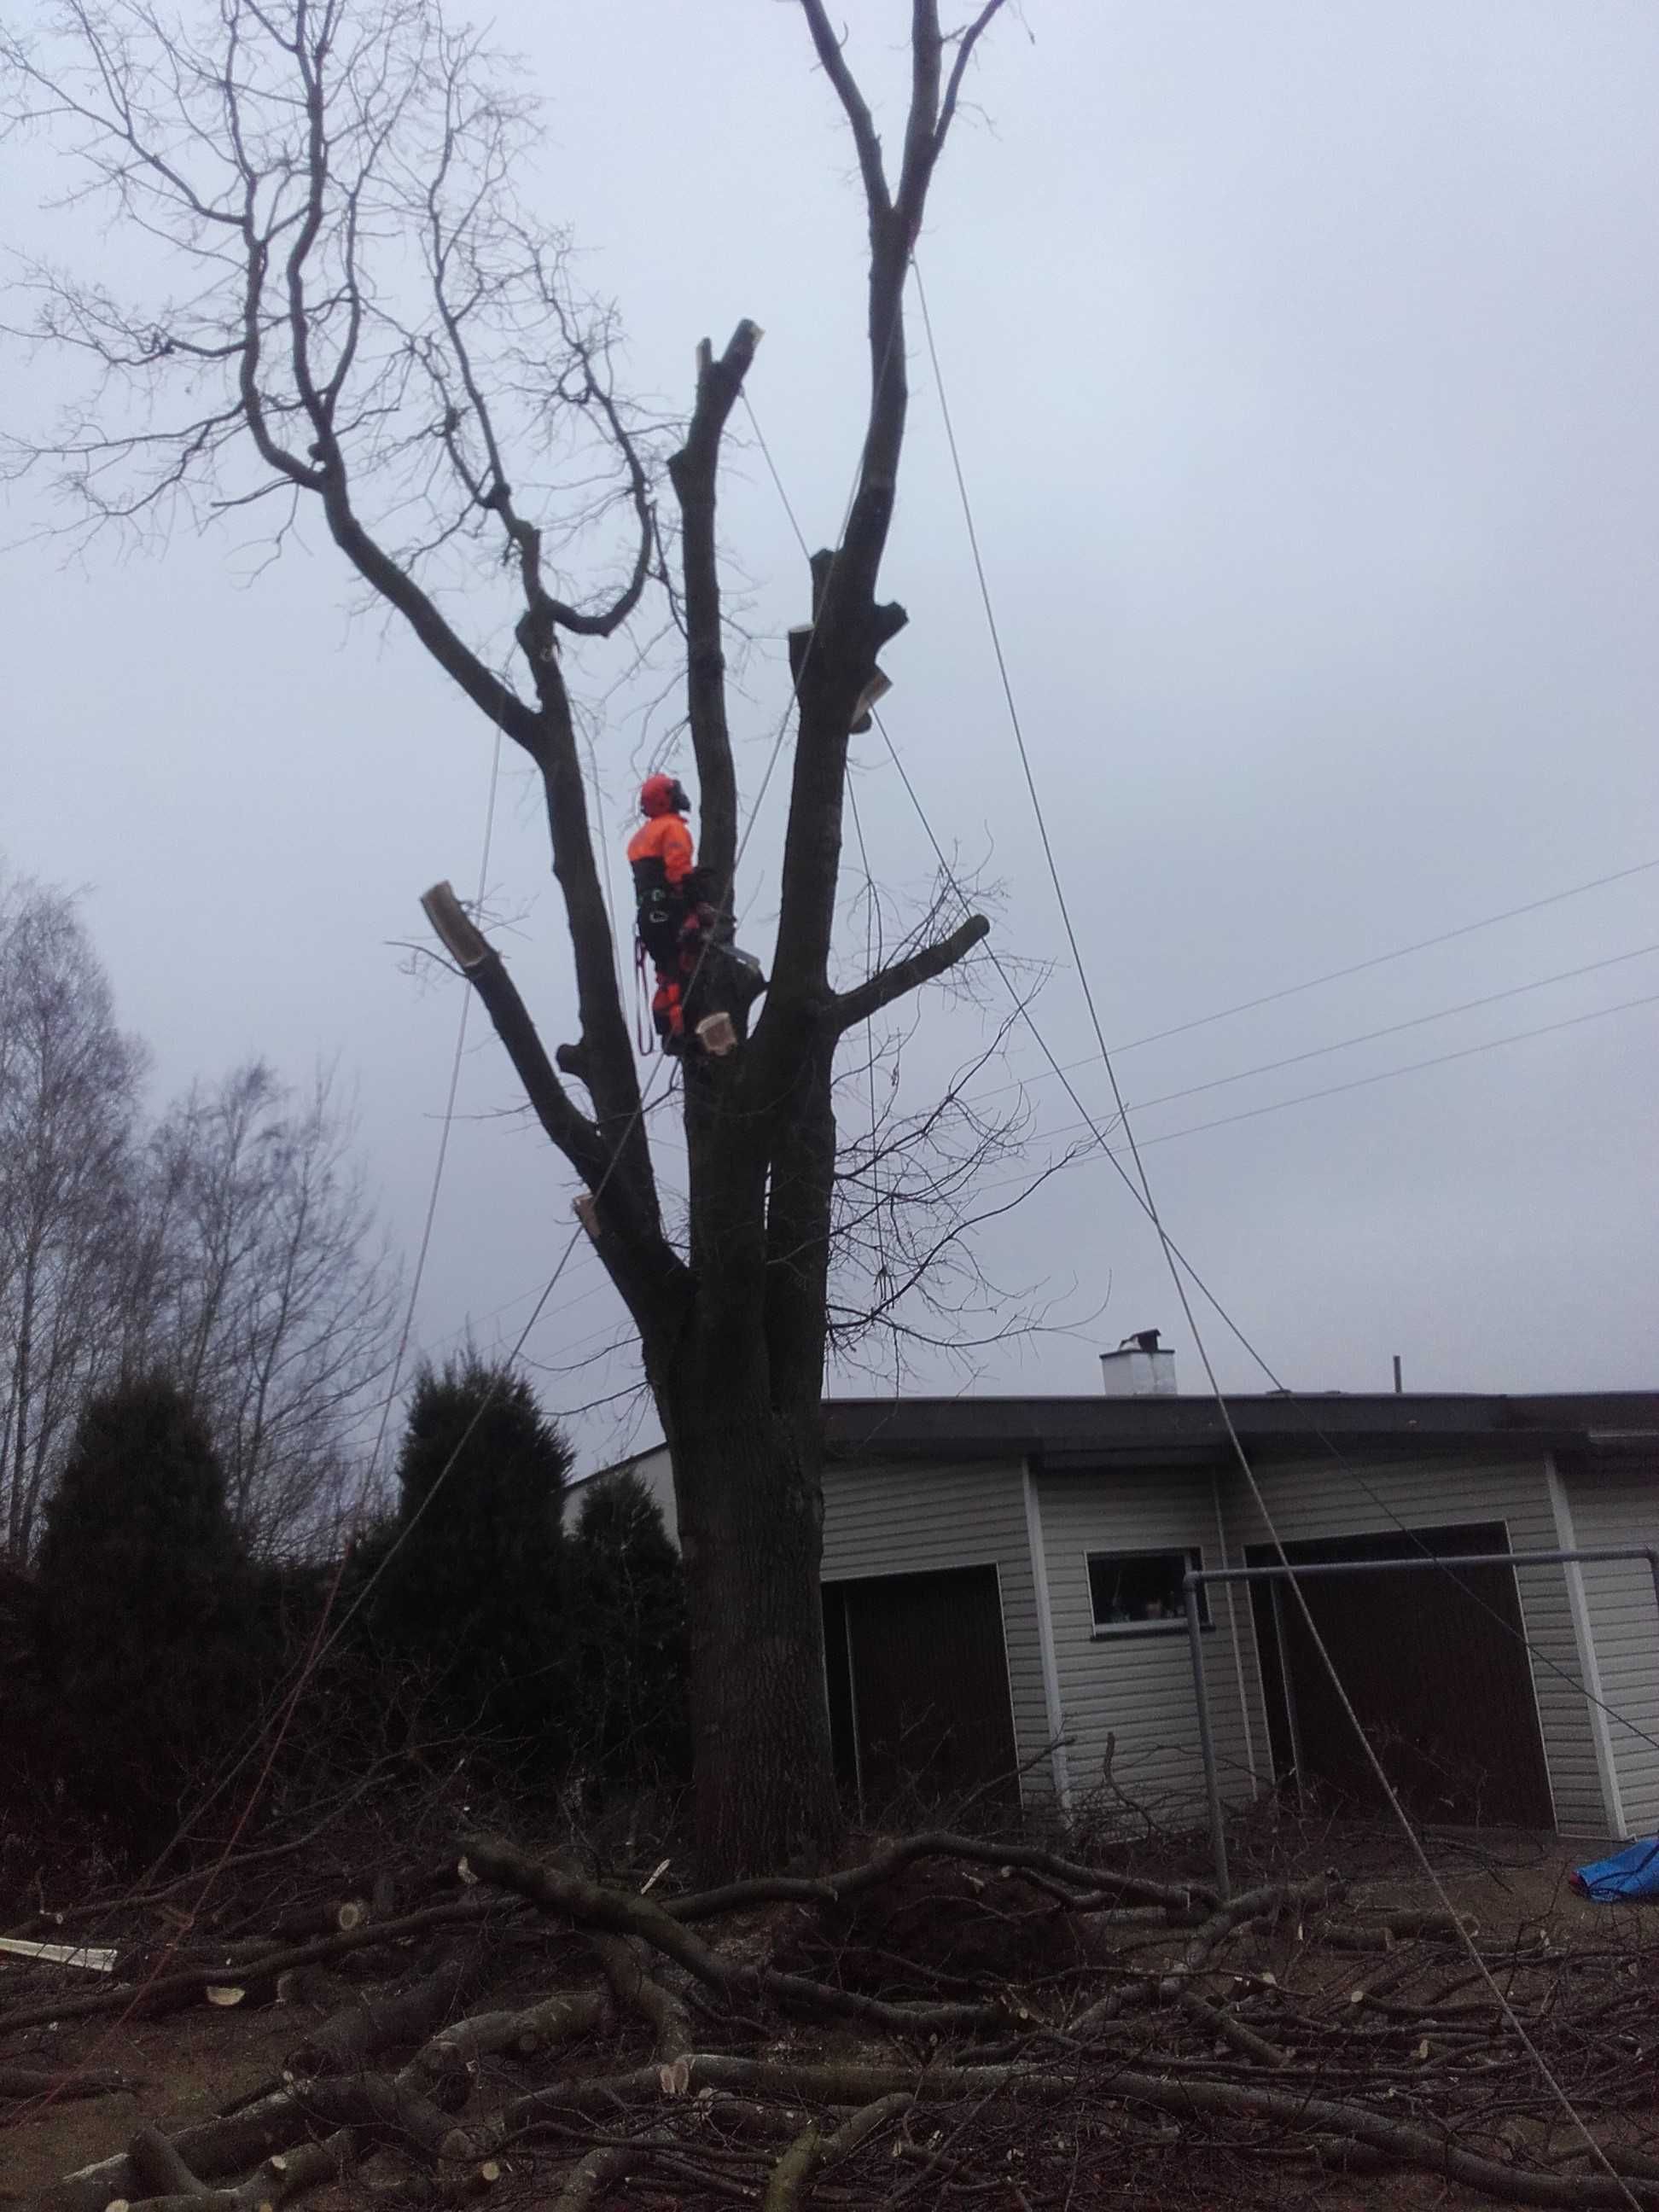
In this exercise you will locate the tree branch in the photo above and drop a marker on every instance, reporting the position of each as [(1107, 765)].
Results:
[(909, 973), (966, 42), (639, 492), (849, 625), (932, 116), (694, 471), (864, 138), (395, 585), (484, 968), (641, 1262)]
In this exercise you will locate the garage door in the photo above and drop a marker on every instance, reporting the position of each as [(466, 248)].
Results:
[(919, 1690), (1434, 1667)]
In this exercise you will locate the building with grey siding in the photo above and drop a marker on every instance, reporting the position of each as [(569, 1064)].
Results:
[(1002, 1581)]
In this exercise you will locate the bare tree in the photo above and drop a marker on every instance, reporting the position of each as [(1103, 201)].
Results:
[(365, 323), (267, 1294), (69, 1083), (233, 1247)]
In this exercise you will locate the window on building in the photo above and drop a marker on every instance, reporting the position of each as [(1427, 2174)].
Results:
[(1139, 1593)]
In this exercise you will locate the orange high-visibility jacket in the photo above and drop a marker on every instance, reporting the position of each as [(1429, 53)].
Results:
[(665, 838)]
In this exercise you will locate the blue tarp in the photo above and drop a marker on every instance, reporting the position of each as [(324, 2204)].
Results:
[(1633, 1872)]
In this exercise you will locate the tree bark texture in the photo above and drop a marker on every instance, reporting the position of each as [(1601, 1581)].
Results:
[(751, 1515)]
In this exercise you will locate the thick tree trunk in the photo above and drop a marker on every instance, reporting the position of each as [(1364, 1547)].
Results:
[(747, 1484)]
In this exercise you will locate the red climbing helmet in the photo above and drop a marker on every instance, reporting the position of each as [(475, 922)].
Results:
[(663, 794)]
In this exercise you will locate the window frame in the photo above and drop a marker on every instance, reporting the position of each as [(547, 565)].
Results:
[(1111, 1632)]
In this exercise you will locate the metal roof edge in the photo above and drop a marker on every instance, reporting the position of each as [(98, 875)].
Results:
[(1069, 1431)]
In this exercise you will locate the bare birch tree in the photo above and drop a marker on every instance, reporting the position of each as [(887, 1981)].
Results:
[(68, 1086), (270, 1296), (360, 321), (233, 1247)]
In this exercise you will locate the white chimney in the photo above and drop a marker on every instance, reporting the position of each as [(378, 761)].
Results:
[(1139, 1368)]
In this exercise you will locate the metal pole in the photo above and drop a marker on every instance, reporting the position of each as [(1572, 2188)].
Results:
[(1398, 1385), (1205, 1740), (1205, 1575), (1197, 1578)]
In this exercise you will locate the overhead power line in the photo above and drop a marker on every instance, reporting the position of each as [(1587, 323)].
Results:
[(1335, 1089), (1099, 1128), (1397, 1029), (1381, 959), (1339, 1044)]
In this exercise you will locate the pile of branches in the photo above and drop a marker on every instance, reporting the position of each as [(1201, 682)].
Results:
[(951, 2018)]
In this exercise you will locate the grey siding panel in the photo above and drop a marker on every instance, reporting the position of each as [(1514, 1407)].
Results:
[(1325, 1498), (1135, 1692), (656, 1471), (1620, 1506), (913, 1518), (653, 1468)]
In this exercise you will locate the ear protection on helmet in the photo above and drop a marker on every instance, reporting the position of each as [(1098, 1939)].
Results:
[(663, 794)]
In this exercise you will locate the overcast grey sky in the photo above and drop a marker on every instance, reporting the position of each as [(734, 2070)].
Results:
[(1302, 360)]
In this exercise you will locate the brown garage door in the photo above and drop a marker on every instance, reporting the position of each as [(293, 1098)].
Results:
[(1434, 1667), (919, 1690)]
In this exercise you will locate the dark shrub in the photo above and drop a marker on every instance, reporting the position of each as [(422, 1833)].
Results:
[(470, 1589), (145, 1647), (627, 1619)]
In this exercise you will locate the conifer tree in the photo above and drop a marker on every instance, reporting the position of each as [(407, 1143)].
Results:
[(145, 1649), (472, 1591), (627, 1617)]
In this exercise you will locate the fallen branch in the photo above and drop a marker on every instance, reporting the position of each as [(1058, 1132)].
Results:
[(213, 2149), (1270, 1902), (1219, 2021), (1411, 2144), (790, 2174), (280, 2180), (266, 2132), (457, 2049), (590, 2174), (866, 2122), (636, 1991), (337, 1917), (25, 2081), (1090, 1885), (192, 1981), (369, 2025), (160, 2169), (589, 1905)]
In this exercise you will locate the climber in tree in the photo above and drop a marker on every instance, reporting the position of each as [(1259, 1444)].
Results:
[(668, 923)]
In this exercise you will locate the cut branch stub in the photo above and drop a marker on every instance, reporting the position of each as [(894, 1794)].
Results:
[(902, 977), (484, 968), (876, 687), (465, 944)]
